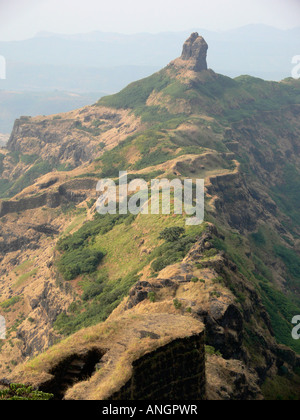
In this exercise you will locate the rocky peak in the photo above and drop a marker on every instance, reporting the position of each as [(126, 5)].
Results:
[(195, 50), (194, 54)]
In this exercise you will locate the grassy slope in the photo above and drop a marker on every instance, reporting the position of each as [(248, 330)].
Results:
[(130, 245)]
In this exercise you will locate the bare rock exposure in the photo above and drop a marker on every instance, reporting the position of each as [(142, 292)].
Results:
[(195, 50), (193, 55)]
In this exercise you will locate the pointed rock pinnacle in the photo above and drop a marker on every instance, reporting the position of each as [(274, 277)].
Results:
[(195, 52)]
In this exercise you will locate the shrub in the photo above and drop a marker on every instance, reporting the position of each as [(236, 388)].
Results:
[(94, 289), (10, 302), (78, 258), (2, 157), (177, 304), (90, 203), (290, 258), (281, 311), (99, 226), (210, 253), (28, 159), (172, 234), (258, 238), (97, 310), (286, 194), (172, 252), (215, 294), (219, 244), (18, 392), (74, 263), (151, 297), (211, 351)]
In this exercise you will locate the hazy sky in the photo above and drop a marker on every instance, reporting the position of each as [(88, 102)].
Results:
[(20, 19)]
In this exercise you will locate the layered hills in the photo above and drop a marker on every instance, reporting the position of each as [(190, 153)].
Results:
[(93, 302)]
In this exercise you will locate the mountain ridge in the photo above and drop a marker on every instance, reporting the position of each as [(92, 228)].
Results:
[(108, 62), (237, 274)]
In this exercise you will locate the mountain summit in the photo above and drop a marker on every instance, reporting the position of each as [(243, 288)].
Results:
[(194, 54)]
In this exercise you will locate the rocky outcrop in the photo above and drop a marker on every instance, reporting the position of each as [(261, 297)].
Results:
[(84, 184), (45, 305), (229, 380), (72, 138), (73, 191), (194, 54), (223, 317), (49, 200), (240, 205), (195, 51)]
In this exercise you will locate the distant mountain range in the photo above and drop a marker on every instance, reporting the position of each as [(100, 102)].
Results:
[(107, 62), (258, 50)]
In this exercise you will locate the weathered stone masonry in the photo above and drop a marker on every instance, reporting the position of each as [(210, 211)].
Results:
[(173, 372)]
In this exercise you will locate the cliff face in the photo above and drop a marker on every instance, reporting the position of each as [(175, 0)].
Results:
[(194, 53), (149, 298), (71, 138), (75, 192)]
